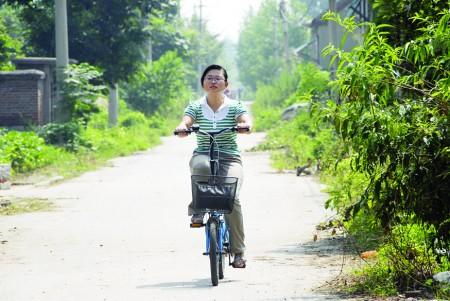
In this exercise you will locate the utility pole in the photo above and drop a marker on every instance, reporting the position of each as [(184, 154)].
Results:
[(275, 35), (200, 36), (332, 33), (283, 13), (145, 23), (61, 113)]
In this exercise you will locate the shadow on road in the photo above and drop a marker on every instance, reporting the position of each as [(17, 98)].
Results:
[(194, 284)]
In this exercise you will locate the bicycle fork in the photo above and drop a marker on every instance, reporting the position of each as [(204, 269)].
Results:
[(223, 236)]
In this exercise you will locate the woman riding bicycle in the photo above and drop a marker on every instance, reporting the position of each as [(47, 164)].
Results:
[(216, 111)]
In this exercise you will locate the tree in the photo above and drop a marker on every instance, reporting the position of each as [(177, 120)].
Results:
[(261, 48), (204, 49), (400, 15), (110, 34), (9, 48), (159, 87), (394, 116)]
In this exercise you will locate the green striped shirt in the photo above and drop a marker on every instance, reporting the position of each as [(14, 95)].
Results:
[(208, 120)]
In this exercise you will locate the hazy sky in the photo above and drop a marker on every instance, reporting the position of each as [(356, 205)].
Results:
[(223, 17)]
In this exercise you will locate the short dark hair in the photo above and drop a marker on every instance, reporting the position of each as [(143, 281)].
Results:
[(214, 67)]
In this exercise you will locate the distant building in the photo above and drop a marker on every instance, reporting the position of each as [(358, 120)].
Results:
[(324, 33), (27, 95)]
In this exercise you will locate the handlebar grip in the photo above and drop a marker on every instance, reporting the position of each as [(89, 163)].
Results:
[(185, 131), (245, 129), (188, 131)]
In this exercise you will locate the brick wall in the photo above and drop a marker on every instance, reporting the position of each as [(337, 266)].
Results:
[(21, 97)]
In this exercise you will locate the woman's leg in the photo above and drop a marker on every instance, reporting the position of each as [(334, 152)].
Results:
[(235, 222), (199, 165)]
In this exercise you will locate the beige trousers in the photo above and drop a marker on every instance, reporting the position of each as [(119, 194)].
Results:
[(232, 167)]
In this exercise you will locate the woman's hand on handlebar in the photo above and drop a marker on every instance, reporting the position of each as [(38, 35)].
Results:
[(243, 128), (181, 131)]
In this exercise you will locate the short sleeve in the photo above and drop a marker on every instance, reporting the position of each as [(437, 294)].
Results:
[(191, 111), (240, 109)]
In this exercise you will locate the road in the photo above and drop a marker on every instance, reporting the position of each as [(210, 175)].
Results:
[(122, 233)]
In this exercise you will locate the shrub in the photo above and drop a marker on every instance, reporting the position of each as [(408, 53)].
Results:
[(66, 135), (81, 90), (25, 151)]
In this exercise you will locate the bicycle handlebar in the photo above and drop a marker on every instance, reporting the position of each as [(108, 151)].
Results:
[(196, 129)]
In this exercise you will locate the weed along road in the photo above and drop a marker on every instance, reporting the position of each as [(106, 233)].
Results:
[(122, 233)]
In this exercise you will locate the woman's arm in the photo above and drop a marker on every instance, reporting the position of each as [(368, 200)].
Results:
[(244, 121), (186, 122)]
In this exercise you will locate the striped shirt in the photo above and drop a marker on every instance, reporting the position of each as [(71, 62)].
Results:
[(208, 120)]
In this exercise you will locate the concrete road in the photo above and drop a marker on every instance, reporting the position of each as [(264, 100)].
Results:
[(122, 233)]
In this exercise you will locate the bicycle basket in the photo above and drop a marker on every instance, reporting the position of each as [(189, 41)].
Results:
[(213, 193)]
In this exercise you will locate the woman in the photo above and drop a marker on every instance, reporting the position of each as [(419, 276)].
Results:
[(214, 112)]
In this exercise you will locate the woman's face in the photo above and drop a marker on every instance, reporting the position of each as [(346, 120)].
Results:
[(214, 81)]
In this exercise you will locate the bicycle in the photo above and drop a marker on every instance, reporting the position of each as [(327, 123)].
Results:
[(214, 195)]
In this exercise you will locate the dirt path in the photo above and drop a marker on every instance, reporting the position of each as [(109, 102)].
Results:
[(122, 233)]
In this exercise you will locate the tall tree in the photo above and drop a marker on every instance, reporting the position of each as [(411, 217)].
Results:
[(111, 34), (262, 42), (9, 47)]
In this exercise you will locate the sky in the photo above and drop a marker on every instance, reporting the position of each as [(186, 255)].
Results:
[(222, 17)]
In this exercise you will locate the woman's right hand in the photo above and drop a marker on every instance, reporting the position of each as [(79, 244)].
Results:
[(181, 129), (184, 125)]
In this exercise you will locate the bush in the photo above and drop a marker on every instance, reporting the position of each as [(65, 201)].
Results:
[(394, 118), (66, 135), (25, 151), (81, 90)]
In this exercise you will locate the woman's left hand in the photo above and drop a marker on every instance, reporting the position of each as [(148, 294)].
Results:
[(243, 128)]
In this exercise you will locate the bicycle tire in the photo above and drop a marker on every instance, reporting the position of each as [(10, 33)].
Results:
[(224, 251), (213, 258), (222, 266)]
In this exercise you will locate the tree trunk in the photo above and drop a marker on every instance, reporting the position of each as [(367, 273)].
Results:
[(113, 105)]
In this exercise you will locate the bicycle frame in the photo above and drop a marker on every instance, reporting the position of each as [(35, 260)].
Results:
[(223, 237), (219, 237), (223, 232)]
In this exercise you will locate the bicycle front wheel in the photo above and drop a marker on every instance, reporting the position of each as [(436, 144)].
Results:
[(213, 253), (222, 266)]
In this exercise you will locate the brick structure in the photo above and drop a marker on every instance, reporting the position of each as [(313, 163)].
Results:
[(48, 66), (21, 98)]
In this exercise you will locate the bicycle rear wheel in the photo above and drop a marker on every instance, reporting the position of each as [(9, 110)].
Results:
[(213, 253)]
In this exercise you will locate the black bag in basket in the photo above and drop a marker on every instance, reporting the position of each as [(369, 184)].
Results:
[(213, 192)]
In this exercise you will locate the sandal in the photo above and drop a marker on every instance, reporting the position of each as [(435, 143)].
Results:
[(197, 218), (239, 261)]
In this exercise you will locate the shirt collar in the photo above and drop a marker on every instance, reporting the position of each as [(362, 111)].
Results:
[(226, 101)]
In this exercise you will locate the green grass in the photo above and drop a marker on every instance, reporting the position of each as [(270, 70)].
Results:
[(16, 206)]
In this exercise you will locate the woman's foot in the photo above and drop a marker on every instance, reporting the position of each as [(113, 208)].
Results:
[(197, 218), (239, 261)]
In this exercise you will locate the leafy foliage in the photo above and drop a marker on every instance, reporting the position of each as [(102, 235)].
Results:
[(159, 87), (9, 47), (395, 118), (166, 32), (110, 34), (66, 135), (24, 151), (260, 47), (304, 137), (82, 87), (401, 14), (303, 84)]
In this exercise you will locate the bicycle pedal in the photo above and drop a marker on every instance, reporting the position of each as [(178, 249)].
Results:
[(197, 225)]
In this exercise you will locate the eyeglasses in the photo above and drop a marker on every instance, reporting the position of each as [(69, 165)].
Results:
[(214, 79)]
